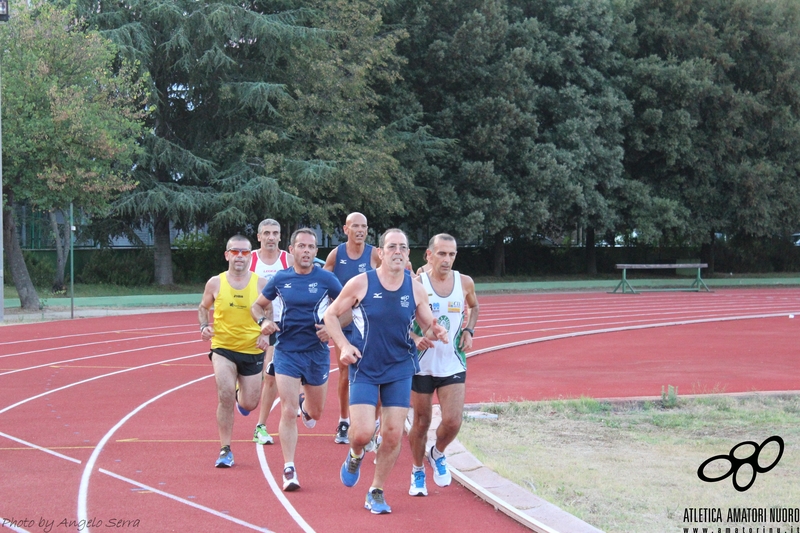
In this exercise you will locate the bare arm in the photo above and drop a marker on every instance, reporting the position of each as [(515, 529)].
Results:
[(263, 340), (203, 311), (352, 293), (262, 308), (330, 262), (375, 258), (471, 299)]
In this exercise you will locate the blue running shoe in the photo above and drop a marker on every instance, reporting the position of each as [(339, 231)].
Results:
[(225, 459), (351, 470), (418, 487), (376, 503), (441, 474), (242, 410)]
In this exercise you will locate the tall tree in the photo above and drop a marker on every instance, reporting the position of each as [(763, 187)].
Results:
[(70, 123)]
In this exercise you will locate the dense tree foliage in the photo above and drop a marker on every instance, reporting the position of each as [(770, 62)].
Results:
[(495, 120), (70, 124)]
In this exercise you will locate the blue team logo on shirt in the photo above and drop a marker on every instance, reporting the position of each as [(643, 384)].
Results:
[(312, 288), (362, 267), (404, 300)]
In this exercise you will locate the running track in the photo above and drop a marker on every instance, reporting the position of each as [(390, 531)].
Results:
[(111, 419)]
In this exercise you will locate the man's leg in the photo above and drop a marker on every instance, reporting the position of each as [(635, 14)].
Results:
[(269, 391), (451, 403), (249, 391), (289, 391), (362, 426), (418, 434), (314, 402), (343, 387), (392, 421), (225, 376)]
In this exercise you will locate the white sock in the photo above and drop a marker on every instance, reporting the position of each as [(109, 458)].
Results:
[(436, 453), (347, 420), (418, 468), (288, 465)]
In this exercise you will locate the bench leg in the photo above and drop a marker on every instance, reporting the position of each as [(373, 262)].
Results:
[(624, 284), (698, 283)]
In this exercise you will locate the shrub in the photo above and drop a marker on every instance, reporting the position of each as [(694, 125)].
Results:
[(129, 268)]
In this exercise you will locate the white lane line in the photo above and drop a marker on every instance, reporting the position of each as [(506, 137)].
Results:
[(83, 490), (40, 339), (187, 502), (54, 363), (26, 400), (40, 448), (612, 330), (45, 350), (278, 492)]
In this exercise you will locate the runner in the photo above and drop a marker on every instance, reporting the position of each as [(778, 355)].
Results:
[(237, 347), (443, 366), (268, 260), (346, 261), (302, 358), (382, 357)]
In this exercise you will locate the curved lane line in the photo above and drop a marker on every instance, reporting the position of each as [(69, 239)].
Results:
[(262, 460), (187, 502), (98, 342), (138, 349), (40, 339), (613, 330), (26, 400)]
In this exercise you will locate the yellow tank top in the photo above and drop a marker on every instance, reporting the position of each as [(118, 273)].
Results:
[(234, 328)]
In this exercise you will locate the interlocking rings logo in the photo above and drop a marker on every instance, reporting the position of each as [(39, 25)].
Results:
[(737, 463)]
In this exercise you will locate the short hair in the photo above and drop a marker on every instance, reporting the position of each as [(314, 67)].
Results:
[(298, 231), (268, 222), (441, 236), (238, 237), (387, 232)]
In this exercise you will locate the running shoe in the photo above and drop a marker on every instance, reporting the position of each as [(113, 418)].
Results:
[(418, 487), (290, 482), (225, 459), (261, 436), (376, 503), (307, 420), (351, 470), (341, 433), (241, 409), (441, 473)]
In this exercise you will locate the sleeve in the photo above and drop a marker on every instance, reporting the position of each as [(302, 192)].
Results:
[(334, 286)]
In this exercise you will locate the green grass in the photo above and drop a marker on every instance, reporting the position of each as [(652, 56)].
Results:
[(632, 466)]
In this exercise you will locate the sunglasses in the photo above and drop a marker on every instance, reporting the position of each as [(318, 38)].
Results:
[(236, 251)]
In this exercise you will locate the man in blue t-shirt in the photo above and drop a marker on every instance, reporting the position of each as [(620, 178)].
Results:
[(302, 357)]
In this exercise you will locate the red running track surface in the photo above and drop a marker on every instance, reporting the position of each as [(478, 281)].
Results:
[(112, 419)]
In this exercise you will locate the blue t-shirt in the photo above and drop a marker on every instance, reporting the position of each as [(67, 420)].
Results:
[(382, 325), (304, 299)]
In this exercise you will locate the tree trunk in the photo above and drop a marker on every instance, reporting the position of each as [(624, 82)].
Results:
[(61, 251), (591, 253), (499, 256), (28, 298), (162, 251)]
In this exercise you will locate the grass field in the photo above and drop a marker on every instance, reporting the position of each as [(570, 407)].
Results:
[(632, 467)]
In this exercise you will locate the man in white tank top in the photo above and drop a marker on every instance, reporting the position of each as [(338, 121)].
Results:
[(268, 260), (443, 366)]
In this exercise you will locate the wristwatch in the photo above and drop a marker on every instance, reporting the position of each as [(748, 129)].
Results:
[(261, 320), (471, 331)]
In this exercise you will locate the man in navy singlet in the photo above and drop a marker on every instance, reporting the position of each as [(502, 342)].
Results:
[(382, 357), (347, 261), (302, 356)]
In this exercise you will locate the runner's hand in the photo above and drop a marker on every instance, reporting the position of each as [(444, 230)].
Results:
[(349, 355)]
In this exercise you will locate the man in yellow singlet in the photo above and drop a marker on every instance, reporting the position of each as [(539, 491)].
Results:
[(237, 346)]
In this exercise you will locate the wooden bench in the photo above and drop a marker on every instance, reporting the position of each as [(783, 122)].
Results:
[(697, 285)]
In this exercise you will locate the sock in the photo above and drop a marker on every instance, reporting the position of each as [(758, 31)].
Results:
[(436, 453), (375, 488), (354, 456), (418, 468), (288, 465), (345, 420)]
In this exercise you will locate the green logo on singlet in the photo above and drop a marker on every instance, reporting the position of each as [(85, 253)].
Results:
[(444, 322)]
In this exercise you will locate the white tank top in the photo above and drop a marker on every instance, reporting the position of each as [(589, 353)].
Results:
[(445, 360), (267, 271)]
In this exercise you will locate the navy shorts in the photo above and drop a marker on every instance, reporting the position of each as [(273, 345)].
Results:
[(394, 394), (247, 364), (311, 367), (428, 384)]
